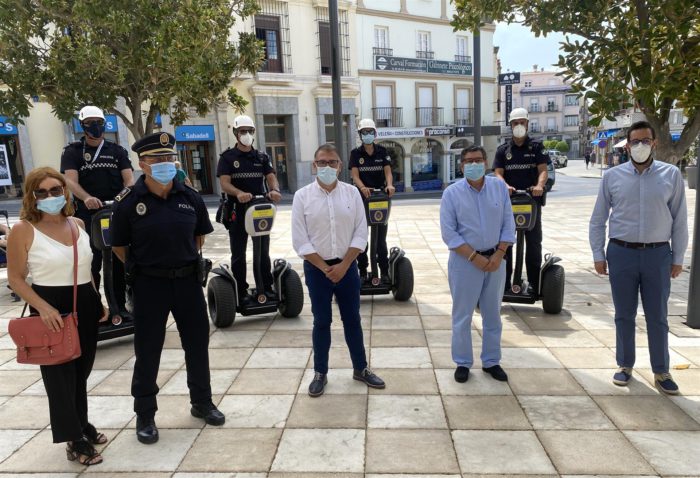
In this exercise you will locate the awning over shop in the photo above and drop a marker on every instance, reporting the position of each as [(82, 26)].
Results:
[(621, 144)]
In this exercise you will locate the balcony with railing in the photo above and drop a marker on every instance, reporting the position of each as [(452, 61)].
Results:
[(552, 107), (533, 108), (376, 51), (388, 117), (535, 129), (429, 116), (552, 129), (463, 58), (428, 55), (464, 116)]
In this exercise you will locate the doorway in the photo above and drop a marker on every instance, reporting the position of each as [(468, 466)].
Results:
[(194, 157), (278, 154)]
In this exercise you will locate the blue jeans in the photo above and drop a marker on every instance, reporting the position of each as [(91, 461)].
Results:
[(347, 295), (469, 285), (645, 271)]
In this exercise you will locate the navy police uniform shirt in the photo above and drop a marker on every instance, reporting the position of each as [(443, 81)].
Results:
[(160, 232), (371, 168), (100, 176), (247, 170), (519, 163)]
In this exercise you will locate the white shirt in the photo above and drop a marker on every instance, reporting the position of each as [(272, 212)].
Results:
[(50, 262), (328, 223)]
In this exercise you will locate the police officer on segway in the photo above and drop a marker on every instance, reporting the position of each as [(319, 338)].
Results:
[(163, 223), (243, 173), (96, 170), (370, 168), (522, 163)]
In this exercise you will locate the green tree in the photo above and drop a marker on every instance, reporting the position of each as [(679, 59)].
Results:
[(549, 143), (177, 57), (617, 53), (562, 146)]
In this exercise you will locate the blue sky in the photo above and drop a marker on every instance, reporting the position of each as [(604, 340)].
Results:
[(520, 50)]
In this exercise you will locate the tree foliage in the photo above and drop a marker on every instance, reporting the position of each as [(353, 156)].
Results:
[(562, 146), (173, 56), (617, 53)]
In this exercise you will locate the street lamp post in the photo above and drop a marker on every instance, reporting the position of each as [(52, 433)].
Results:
[(335, 83), (477, 88), (693, 319)]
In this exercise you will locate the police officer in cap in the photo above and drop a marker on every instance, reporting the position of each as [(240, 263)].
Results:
[(245, 172), (96, 170), (522, 163), (370, 168), (163, 222)]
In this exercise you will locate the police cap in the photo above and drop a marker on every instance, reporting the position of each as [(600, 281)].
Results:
[(156, 144)]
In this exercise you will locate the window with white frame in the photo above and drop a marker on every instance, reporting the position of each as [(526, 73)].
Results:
[(381, 37), (423, 47), (551, 125), (571, 120), (571, 100), (462, 49), (324, 41)]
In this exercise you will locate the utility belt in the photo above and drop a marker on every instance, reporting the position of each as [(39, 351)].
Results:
[(638, 245)]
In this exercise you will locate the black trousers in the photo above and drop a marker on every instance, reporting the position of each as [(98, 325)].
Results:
[(154, 299), (382, 255), (238, 238), (66, 384), (533, 254), (117, 266)]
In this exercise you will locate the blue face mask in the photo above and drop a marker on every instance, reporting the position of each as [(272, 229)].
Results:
[(368, 138), (94, 130), (51, 205), (163, 172), (474, 171), (327, 175)]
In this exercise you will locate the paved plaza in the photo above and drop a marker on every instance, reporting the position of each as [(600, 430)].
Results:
[(559, 415)]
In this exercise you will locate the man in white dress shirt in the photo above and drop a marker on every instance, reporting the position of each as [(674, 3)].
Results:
[(329, 231)]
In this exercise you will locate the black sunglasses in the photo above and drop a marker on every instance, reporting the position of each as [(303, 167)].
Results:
[(55, 191)]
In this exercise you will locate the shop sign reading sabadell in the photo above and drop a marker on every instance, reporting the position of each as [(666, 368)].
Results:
[(396, 63)]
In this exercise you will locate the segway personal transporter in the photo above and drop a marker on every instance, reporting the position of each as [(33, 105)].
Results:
[(222, 291), (121, 321), (378, 207), (551, 287)]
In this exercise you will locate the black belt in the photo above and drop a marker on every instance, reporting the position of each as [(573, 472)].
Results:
[(176, 273), (333, 262), (638, 245), (487, 252)]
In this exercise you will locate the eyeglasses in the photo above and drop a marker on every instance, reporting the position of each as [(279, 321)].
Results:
[(99, 122), (55, 192), (159, 159), (366, 131), (323, 163), (472, 160), (645, 142)]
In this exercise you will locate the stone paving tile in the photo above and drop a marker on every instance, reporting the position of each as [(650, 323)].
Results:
[(278, 358), (286, 338), (40, 455), (580, 452), (599, 382), (688, 380), (221, 381), (110, 411), (406, 382), (13, 382), (247, 450), (321, 450), (119, 382), (400, 357), (25, 413), (528, 357), (690, 404), (256, 411), (505, 452), (568, 338), (405, 411), (564, 413), (479, 383), (692, 354), (520, 338), (228, 358), (669, 452), (340, 382), (322, 412), (11, 440), (646, 413), (544, 381), (585, 357), (398, 322), (442, 338), (225, 338), (254, 381), (485, 413), (436, 322), (398, 338), (410, 451)]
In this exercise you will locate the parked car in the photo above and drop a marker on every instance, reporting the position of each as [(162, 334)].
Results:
[(559, 160), (551, 175)]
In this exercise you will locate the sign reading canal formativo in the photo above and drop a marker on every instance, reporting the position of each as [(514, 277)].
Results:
[(397, 63)]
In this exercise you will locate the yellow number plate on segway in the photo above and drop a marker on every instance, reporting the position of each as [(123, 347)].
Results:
[(378, 212), (522, 208), (523, 216), (262, 219), (104, 227)]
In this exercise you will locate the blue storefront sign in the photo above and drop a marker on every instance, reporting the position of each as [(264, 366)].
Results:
[(195, 133), (7, 128), (110, 124)]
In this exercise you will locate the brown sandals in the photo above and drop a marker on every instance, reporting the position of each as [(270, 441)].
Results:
[(83, 452)]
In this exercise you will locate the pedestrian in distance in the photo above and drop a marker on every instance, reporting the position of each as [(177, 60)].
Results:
[(329, 231), (593, 158), (476, 222), (587, 158), (158, 230), (41, 244), (370, 168), (96, 169), (642, 203)]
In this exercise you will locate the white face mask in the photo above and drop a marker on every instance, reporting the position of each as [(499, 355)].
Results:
[(640, 153), (327, 175), (246, 139), (519, 131)]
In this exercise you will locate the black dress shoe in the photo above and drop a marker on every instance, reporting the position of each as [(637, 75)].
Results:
[(208, 412), (146, 430), (368, 377), (497, 372), (317, 384), (462, 374)]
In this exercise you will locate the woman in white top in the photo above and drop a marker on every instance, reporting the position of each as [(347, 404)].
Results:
[(41, 244)]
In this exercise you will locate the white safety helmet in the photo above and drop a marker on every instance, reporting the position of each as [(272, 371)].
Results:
[(243, 121), (366, 123), (90, 112), (518, 113)]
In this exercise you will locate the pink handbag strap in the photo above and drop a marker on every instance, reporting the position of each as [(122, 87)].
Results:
[(73, 227)]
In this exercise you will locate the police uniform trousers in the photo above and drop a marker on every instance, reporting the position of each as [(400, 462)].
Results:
[(470, 286), (154, 299), (238, 238), (382, 256), (66, 383), (533, 254), (347, 295), (645, 271), (118, 281)]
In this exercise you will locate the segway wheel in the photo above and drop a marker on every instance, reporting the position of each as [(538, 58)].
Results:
[(292, 294), (403, 280), (553, 289), (222, 302)]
